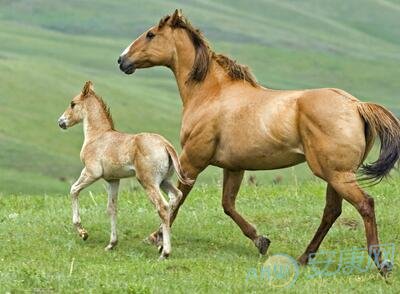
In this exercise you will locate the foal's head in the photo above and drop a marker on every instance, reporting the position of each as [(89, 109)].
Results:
[(158, 46), (77, 109)]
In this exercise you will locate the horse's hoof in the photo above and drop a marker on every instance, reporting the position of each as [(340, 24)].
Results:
[(386, 268), (262, 243), (303, 260)]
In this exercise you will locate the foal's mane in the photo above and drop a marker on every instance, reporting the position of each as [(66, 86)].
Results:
[(106, 109), (204, 54)]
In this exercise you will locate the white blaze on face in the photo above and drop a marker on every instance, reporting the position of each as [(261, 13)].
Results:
[(129, 47), (126, 50)]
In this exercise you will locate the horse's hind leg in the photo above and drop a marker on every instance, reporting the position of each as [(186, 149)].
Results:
[(232, 181), (332, 211), (345, 184), (174, 194), (162, 207), (175, 198)]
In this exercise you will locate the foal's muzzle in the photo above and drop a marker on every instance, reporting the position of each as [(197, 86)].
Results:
[(62, 123), (125, 65)]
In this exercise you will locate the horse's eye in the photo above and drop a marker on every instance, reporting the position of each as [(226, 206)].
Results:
[(150, 35), (72, 104)]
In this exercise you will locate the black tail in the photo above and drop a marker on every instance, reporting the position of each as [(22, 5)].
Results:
[(380, 121)]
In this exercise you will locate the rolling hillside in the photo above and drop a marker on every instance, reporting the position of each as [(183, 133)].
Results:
[(49, 48)]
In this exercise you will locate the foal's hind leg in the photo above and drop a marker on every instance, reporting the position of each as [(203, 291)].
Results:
[(232, 181), (333, 209), (175, 197), (162, 207), (174, 194)]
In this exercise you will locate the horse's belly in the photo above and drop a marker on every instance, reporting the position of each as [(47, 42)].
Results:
[(258, 159), (116, 171)]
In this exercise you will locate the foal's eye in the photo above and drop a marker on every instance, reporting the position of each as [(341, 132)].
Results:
[(150, 35), (72, 104)]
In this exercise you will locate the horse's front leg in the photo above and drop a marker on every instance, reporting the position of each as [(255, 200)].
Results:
[(112, 212), (84, 180), (231, 185)]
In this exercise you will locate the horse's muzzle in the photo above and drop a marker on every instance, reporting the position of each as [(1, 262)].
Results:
[(62, 123), (126, 66)]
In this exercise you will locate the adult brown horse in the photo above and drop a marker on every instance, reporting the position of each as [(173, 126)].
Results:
[(232, 122)]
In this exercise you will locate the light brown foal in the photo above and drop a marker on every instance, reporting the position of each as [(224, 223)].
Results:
[(111, 155), (232, 122)]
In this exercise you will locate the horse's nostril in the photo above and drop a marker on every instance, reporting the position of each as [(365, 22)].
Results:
[(119, 60)]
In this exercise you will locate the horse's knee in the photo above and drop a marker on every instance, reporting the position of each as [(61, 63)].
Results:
[(74, 191)]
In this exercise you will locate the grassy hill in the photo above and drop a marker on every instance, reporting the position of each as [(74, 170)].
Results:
[(49, 48), (41, 252)]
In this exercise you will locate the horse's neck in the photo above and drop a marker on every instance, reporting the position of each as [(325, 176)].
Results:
[(190, 90), (182, 66), (95, 123)]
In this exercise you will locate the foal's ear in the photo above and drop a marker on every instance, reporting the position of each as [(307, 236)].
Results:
[(176, 17), (87, 88)]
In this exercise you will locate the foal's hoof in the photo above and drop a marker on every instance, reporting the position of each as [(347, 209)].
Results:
[(386, 268), (110, 246), (156, 239), (163, 256), (262, 243), (84, 235)]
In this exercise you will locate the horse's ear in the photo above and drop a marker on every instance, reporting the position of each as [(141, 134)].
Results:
[(87, 88), (176, 17)]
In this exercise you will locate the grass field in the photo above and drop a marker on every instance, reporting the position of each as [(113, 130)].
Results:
[(209, 252), (49, 48)]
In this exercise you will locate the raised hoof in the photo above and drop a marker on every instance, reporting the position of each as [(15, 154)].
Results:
[(84, 235), (262, 243), (386, 268)]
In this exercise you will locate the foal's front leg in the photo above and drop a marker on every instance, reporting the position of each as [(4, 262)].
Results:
[(84, 180), (112, 212)]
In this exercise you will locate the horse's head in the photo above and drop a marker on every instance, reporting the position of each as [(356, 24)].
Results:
[(76, 110), (156, 46)]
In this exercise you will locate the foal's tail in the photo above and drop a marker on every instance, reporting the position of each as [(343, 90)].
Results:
[(177, 166), (380, 121)]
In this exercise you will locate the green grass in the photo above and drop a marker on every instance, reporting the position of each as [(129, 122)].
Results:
[(209, 253), (49, 48)]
